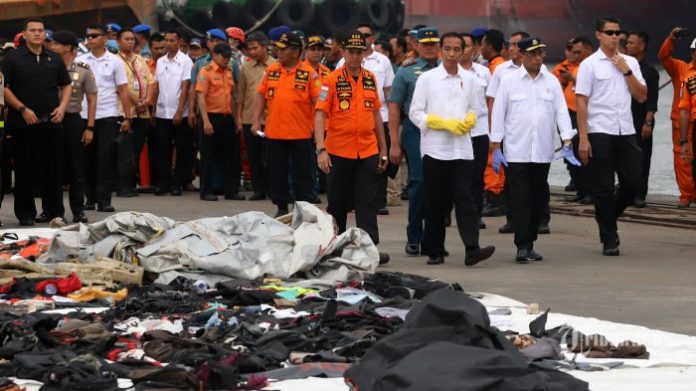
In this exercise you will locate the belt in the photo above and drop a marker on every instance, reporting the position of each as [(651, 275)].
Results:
[(223, 115)]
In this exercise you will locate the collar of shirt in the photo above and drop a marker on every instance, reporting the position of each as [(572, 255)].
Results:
[(522, 73), (425, 64), (443, 74), (24, 50), (266, 63), (176, 58)]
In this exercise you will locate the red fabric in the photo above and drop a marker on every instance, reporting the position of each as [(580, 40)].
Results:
[(144, 167), (7, 287), (65, 285)]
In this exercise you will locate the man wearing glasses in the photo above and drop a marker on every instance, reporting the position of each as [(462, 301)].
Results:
[(37, 92), (112, 83), (528, 107), (605, 83)]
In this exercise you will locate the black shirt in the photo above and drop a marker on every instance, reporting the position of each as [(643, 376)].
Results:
[(35, 80), (652, 81)]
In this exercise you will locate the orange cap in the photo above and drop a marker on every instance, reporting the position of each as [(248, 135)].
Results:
[(236, 33)]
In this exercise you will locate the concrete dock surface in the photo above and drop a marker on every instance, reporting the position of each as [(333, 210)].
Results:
[(652, 283)]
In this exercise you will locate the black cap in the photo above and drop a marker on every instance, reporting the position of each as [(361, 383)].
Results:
[(289, 39), (65, 38), (531, 44), (315, 40), (223, 49), (355, 40)]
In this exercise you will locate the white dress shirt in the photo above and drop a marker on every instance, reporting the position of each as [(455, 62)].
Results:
[(609, 103), (169, 76), (526, 112), (448, 96), (500, 71), (381, 66), (483, 77), (109, 73)]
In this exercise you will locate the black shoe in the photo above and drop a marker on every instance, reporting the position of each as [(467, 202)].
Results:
[(639, 203), (43, 218), (383, 258), (570, 186), (126, 194), (79, 218), (522, 256), (435, 260), (427, 253), (281, 212), (90, 206), (534, 256), (610, 250), (383, 212), (478, 255), (586, 200), (448, 221), (161, 191), (26, 222), (412, 249), (544, 229), (404, 196), (506, 229), (208, 197), (257, 197), (105, 208), (575, 198), (482, 225), (235, 197), (317, 201), (177, 191), (490, 210)]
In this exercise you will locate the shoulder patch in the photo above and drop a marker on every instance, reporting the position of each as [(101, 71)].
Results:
[(208, 67), (82, 65), (408, 62)]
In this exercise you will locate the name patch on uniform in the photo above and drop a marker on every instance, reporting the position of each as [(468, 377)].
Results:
[(369, 103), (691, 85), (324, 93), (274, 75), (369, 83), (344, 104), (343, 85), (300, 87)]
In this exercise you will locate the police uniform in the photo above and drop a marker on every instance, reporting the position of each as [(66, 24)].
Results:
[(351, 142), (289, 96), (215, 84), (401, 93), (83, 83)]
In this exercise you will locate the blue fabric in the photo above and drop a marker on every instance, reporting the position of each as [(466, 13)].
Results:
[(410, 140)]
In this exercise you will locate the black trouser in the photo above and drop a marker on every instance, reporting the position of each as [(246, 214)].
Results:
[(611, 154), (48, 139), (441, 177), (383, 178), (353, 182), (256, 151), (142, 133), (578, 173), (480, 145), (646, 146), (110, 161), (279, 154), (528, 186), (6, 162), (181, 137), (74, 158), (222, 149)]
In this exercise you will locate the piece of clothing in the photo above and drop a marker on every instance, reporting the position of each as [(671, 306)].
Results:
[(527, 184), (640, 110), (111, 162), (570, 67), (171, 136), (290, 95), (170, 76), (496, 61), (74, 160), (35, 80), (613, 155), (381, 68), (251, 75), (450, 97), (480, 145), (140, 80), (222, 150), (526, 115), (280, 154), (353, 183), (350, 107), (258, 160), (683, 171), (440, 179), (676, 69), (497, 74), (609, 104), (110, 73), (404, 83), (410, 140), (483, 77), (83, 83), (216, 84)]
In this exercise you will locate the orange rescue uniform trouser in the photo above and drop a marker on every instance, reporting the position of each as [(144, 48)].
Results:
[(682, 168), (491, 181)]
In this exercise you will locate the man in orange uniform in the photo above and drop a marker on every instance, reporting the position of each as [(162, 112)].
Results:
[(289, 89), (220, 138), (677, 70), (355, 149), (687, 113)]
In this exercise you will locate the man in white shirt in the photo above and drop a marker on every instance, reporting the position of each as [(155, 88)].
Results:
[(479, 134), (528, 106), (102, 171), (380, 66), (443, 108), (605, 83), (172, 81)]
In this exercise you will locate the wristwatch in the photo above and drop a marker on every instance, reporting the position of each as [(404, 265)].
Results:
[(320, 150), (650, 122), (22, 109), (90, 128), (629, 73)]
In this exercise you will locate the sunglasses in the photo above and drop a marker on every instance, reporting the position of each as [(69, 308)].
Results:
[(94, 36), (366, 35), (615, 33)]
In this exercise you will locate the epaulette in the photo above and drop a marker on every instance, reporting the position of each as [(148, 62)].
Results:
[(208, 67), (82, 65), (409, 61)]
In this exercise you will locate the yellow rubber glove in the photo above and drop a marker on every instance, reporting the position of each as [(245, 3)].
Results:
[(463, 127), (436, 122)]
